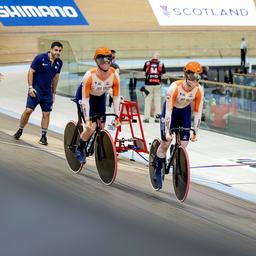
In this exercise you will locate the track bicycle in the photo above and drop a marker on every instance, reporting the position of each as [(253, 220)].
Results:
[(178, 160), (100, 144)]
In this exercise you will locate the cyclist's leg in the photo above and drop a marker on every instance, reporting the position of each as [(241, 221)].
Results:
[(100, 110), (84, 137), (157, 100), (181, 171), (86, 134), (185, 121), (161, 151), (98, 107), (78, 100)]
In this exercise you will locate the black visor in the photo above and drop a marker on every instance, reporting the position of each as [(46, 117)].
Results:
[(192, 76), (101, 59)]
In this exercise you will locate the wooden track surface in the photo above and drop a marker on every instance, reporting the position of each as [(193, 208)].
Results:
[(46, 209)]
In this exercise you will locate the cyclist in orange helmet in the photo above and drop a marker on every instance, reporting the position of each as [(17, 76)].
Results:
[(176, 112), (91, 95)]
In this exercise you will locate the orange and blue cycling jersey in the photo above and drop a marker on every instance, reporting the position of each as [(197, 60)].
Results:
[(93, 92), (95, 85), (177, 108), (180, 95)]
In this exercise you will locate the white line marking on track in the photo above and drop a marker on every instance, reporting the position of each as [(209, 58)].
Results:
[(31, 147)]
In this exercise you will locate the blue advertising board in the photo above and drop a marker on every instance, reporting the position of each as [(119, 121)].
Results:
[(40, 13)]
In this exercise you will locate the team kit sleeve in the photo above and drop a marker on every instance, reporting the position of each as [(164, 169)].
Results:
[(171, 96), (87, 83), (116, 93), (198, 107)]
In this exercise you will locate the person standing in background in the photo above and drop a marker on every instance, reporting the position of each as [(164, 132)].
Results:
[(204, 75), (43, 77), (243, 51), (132, 87), (153, 71), (117, 68), (113, 63)]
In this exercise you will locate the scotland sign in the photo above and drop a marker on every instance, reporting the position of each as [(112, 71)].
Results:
[(204, 12), (40, 13)]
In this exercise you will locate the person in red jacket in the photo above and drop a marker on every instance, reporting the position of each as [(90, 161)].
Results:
[(153, 71)]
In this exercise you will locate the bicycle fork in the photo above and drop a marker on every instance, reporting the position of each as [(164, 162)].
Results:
[(100, 148), (73, 144), (90, 145), (173, 150)]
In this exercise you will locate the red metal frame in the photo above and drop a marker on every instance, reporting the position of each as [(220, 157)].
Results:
[(128, 113)]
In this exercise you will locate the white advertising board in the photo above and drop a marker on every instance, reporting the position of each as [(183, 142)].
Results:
[(204, 12)]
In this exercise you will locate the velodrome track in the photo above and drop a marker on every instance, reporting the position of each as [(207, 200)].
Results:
[(47, 210)]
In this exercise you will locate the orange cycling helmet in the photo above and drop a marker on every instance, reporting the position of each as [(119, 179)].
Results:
[(193, 67), (102, 51)]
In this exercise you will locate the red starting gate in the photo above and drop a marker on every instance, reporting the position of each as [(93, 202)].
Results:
[(129, 114)]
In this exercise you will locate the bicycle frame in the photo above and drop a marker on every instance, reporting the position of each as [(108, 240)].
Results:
[(90, 143), (175, 145), (99, 141), (178, 160)]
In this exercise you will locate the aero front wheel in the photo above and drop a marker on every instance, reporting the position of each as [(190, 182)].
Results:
[(105, 157), (181, 174), (152, 162), (71, 140)]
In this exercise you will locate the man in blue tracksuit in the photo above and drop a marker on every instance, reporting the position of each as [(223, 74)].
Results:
[(43, 77)]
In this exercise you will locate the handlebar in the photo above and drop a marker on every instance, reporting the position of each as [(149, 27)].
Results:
[(180, 129), (97, 117), (177, 129)]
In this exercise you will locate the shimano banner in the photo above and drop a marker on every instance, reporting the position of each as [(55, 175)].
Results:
[(204, 12), (40, 13)]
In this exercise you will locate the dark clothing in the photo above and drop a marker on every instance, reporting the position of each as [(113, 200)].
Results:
[(78, 101), (218, 91), (204, 75), (243, 54), (114, 65), (181, 117), (44, 101), (42, 81), (132, 88), (44, 73), (78, 96), (154, 70), (97, 104)]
